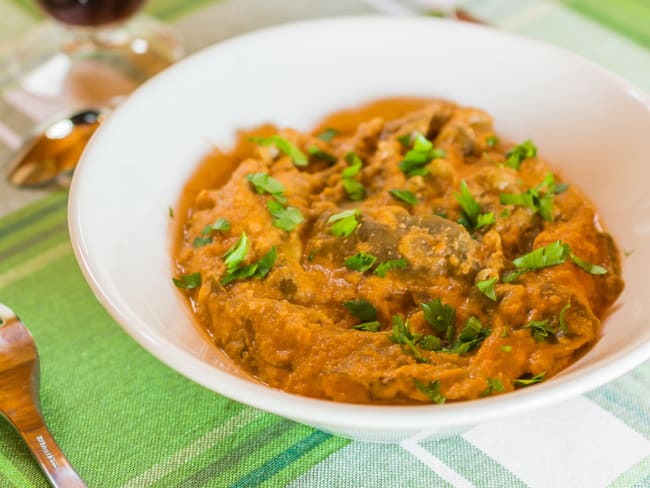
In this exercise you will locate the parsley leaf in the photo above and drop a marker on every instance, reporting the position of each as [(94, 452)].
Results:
[(284, 218), (563, 325), (263, 183), (440, 316), (405, 196), (492, 141), (534, 199), (403, 336), (587, 266), (470, 337), (430, 343), (298, 157), (355, 163), (487, 288), (255, 270), (432, 390), (320, 154), (485, 219), (362, 309), (237, 253), (201, 241), (344, 223), (328, 134), (360, 262), (540, 329), (494, 386), (471, 218), (220, 224), (421, 154), (517, 154), (188, 281), (354, 189), (386, 266), (171, 213), (543, 257), (519, 382), (372, 326)]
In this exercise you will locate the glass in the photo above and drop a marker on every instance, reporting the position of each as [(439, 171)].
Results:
[(92, 51)]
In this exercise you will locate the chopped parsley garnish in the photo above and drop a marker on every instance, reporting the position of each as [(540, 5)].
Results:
[(492, 141), (432, 390), (354, 189), (538, 199), (494, 386), (517, 154), (201, 241), (386, 266), (472, 217), (237, 253), (421, 154), (298, 157), (543, 257), (519, 382), (440, 316), (430, 343), (470, 337), (220, 224), (256, 270), (372, 326), (587, 266), (312, 253), (403, 336), (405, 140), (562, 319), (328, 134), (344, 223), (504, 213), (362, 309), (487, 288), (285, 218), (171, 213), (355, 163), (188, 281), (263, 183), (404, 195), (506, 348), (360, 262), (541, 330), (322, 155)]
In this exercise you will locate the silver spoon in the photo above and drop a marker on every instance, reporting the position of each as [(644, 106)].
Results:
[(49, 156), (19, 402)]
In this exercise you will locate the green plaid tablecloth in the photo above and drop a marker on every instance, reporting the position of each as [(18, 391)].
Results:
[(124, 419)]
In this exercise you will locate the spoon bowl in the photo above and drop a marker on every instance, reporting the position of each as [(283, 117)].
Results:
[(49, 156), (19, 402)]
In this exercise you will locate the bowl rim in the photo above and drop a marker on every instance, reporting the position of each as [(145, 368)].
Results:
[(346, 415)]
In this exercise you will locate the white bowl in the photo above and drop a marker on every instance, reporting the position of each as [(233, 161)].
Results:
[(587, 122)]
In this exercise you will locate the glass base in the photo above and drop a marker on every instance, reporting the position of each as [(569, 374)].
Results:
[(92, 65)]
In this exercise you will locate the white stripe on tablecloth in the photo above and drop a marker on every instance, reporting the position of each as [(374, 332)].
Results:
[(202, 444), (435, 464), (576, 444)]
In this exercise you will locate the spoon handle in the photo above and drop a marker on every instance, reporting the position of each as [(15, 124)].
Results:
[(48, 454)]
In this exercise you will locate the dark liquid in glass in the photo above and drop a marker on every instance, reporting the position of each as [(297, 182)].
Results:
[(90, 12)]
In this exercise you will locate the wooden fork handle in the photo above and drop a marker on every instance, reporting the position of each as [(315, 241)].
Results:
[(49, 456)]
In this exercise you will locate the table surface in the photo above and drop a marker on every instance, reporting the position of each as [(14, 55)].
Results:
[(126, 420)]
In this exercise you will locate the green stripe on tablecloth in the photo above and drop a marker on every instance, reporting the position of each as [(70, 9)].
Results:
[(118, 413), (638, 476), (627, 398), (307, 460), (630, 18), (472, 463), (282, 460), (10, 475)]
